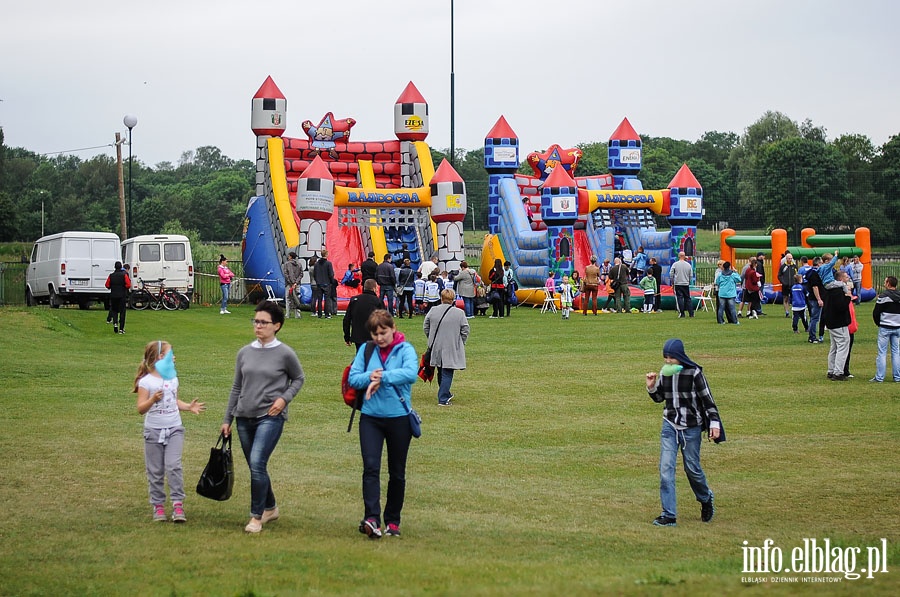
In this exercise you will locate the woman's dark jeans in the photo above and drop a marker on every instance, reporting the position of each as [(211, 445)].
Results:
[(374, 433)]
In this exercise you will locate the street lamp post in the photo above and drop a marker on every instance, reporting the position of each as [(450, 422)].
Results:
[(130, 121), (452, 95)]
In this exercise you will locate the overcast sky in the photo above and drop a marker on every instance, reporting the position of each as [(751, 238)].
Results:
[(560, 72)]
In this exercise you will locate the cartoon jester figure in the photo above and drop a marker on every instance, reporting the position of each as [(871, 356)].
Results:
[(323, 135)]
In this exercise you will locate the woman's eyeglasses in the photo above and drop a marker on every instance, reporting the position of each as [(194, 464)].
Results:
[(260, 322)]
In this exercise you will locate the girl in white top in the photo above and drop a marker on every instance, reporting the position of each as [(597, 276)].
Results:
[(156, 385), (566, 294), (432, 292)]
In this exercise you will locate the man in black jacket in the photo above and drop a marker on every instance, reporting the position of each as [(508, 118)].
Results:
[(357, 313), (368, 267), (836, 315), (387, 281), (322, 279), (119, 284)]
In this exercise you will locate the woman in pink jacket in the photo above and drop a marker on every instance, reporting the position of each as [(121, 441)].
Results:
[(225, 278)]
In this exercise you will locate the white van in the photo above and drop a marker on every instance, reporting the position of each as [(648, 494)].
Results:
[(71, 267), (151, 257)]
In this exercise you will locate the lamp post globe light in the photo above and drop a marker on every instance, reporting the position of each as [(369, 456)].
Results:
[(130, 121)]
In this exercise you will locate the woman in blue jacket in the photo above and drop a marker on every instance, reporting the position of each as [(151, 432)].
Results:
[(387, 378), (727, 281)]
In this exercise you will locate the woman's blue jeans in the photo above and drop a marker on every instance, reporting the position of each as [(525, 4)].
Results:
[(225, 289), (444, 382), (689, 441), (258, 440), (469, 304), (374, 434), (726, 306)]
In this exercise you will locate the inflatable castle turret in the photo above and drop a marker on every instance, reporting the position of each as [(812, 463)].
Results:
[(685, 210), (559, 210), (624, 154), (501, 160), (411, 115), (268, 118), (448, 210), (315, 205)]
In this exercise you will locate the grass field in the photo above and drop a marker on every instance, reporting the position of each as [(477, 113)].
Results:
[(540, 480)]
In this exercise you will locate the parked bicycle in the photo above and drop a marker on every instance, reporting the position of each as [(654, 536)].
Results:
[(162, 298)]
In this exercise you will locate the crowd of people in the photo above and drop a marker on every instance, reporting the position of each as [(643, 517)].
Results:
[(819, 294), (268, 374)]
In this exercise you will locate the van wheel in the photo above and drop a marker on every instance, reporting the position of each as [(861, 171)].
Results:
[(29, 298), (85, 305), (55, 301)]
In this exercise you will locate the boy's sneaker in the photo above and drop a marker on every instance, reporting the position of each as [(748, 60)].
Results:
[(707, 509), (664, 521), (370, 527), (178, 512), (393, 530), (159, 513)]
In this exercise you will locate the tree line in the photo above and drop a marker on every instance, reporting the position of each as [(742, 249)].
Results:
[(778, 174)]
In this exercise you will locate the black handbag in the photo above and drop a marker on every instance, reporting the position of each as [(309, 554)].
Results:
[(217, 479)]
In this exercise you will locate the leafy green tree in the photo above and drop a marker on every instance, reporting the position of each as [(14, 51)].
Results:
[(886, 222), (814, 133), (770, 128), (803, 183), (714, 147), (660, 164)]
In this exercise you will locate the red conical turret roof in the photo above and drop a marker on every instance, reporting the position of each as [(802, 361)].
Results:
[(446, 173), (559, 178), (501, 130), (410, 95), (317, 169), (684, 178), (625, 132), (269, 90)]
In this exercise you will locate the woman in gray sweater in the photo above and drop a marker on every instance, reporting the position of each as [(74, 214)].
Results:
[(267, 376)]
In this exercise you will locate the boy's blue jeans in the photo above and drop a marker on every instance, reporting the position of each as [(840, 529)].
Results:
[(815, 312), (689, 442), (258, 440)]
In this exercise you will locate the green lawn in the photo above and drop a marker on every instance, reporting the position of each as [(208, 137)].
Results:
[(540, 480)]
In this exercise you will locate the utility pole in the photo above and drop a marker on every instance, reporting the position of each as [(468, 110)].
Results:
[(123, 226)]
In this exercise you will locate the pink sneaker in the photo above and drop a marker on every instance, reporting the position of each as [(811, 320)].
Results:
[(159, 513), (178, 512)]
